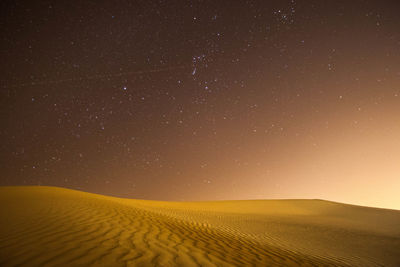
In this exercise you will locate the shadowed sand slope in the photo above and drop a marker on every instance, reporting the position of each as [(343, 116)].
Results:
[(49, 226)]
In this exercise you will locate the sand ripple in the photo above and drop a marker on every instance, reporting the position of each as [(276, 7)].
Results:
[(47, 226)]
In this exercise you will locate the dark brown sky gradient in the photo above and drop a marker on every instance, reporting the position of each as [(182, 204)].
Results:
[(196, 100)]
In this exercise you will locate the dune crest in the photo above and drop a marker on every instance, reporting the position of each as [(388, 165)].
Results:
[(50, 226)]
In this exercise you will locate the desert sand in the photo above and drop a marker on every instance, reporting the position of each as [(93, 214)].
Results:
[(50, 226)]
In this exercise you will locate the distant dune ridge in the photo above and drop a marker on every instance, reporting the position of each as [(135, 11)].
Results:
[(50, 226)]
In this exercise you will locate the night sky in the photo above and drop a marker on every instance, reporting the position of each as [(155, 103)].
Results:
[(203, 100)]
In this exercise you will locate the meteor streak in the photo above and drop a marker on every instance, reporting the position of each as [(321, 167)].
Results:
[(95, 77)]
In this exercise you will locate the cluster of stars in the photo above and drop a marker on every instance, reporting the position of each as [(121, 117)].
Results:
[(193, 95)]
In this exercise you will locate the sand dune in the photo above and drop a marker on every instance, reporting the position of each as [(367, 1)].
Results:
[(49, 226)]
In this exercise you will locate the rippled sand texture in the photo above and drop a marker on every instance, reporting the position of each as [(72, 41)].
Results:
[(49, 226)]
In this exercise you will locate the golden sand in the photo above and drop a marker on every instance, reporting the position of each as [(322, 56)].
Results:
[(50, 226)]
